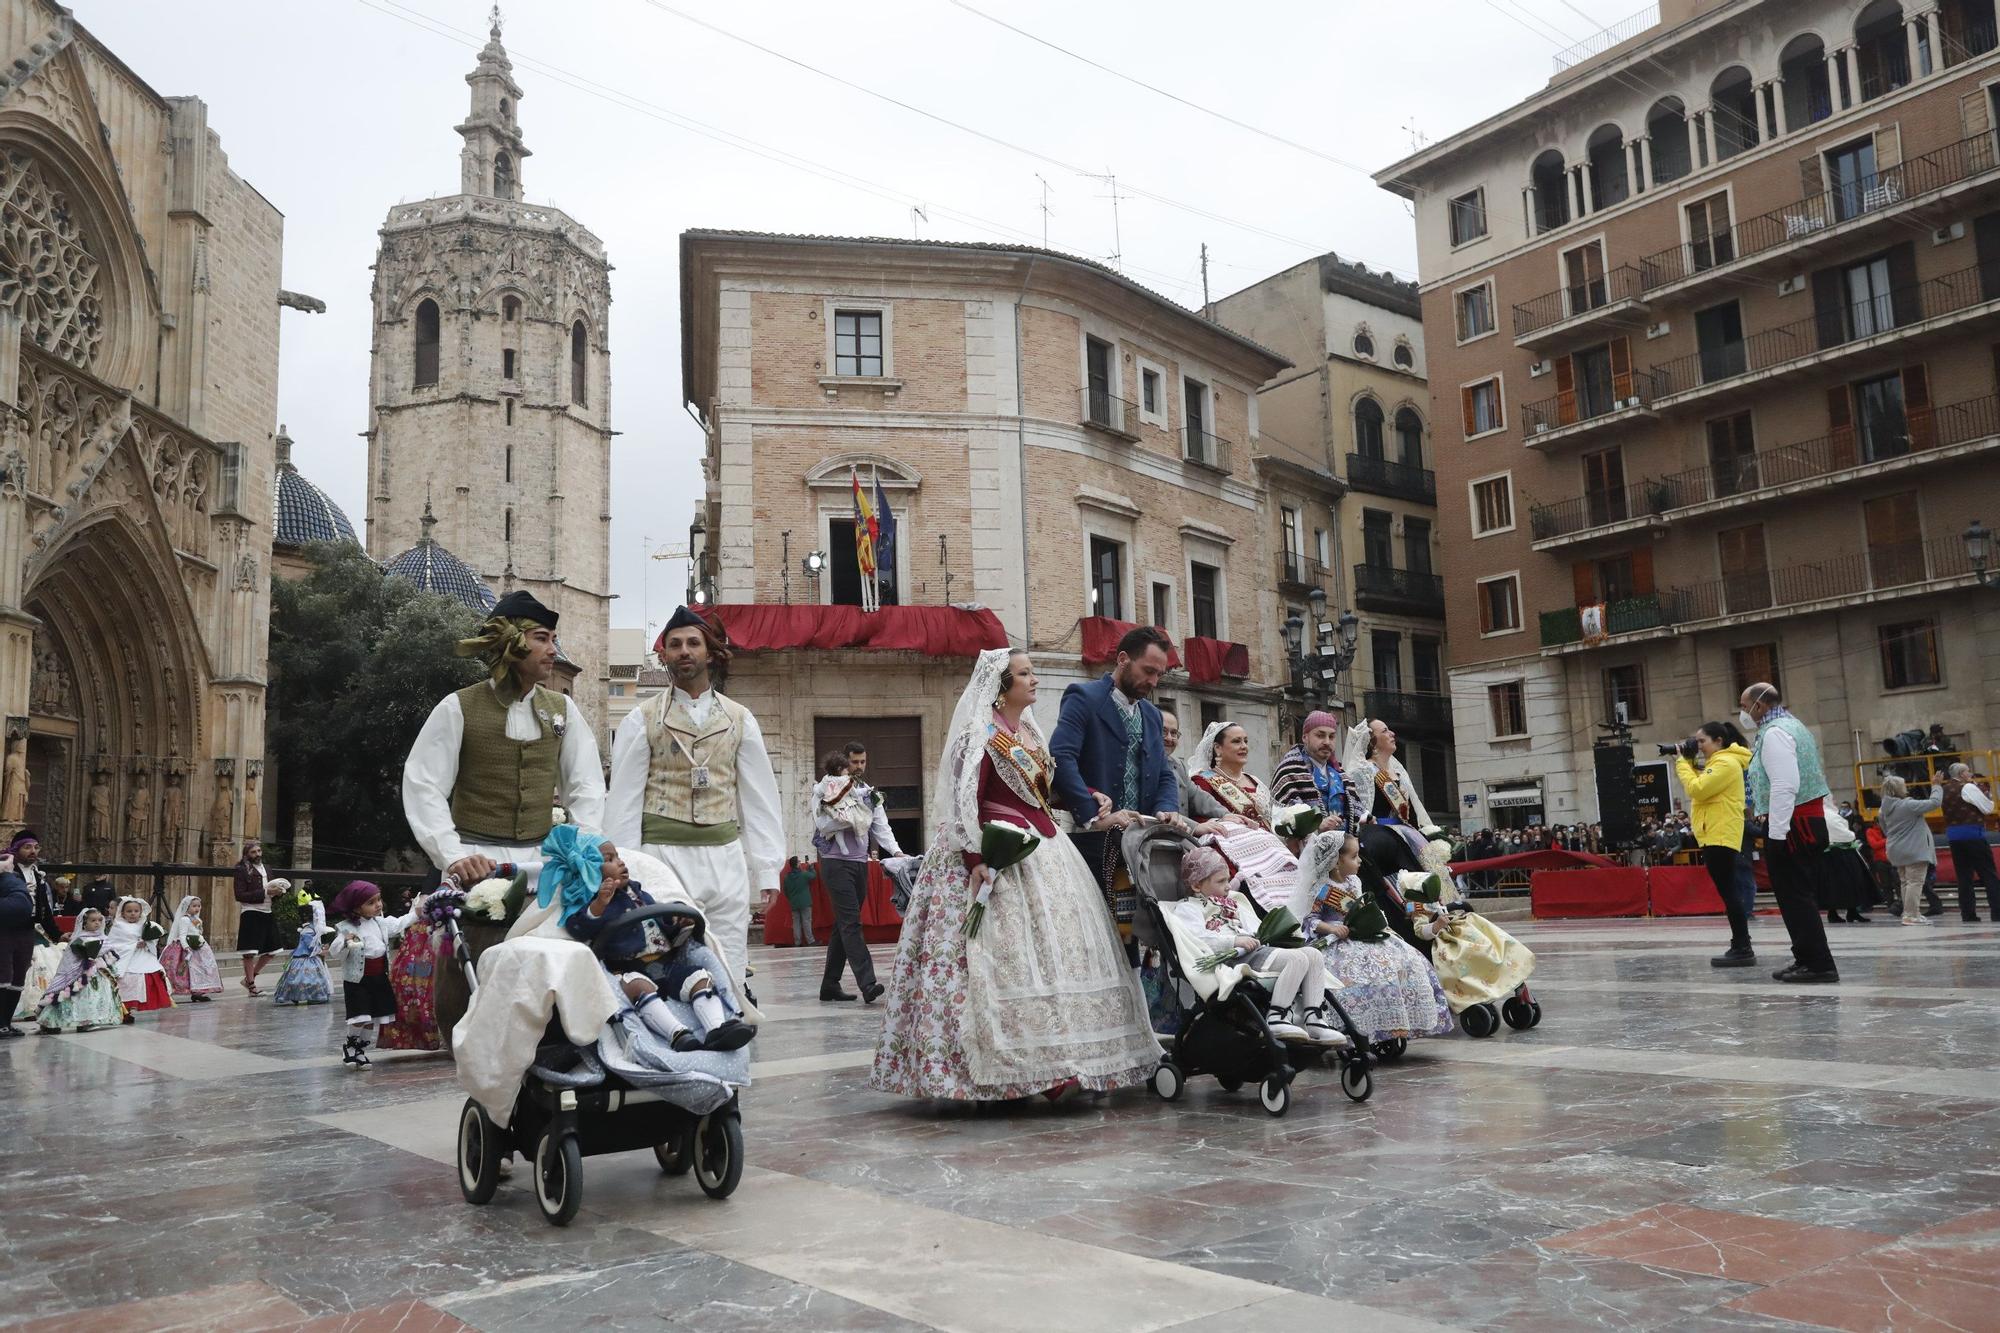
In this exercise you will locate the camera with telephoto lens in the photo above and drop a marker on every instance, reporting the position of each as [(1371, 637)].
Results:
[(1685, 749)]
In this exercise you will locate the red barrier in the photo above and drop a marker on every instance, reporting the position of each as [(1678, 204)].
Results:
[(880, 922), (1588, 893), (1682, 891)]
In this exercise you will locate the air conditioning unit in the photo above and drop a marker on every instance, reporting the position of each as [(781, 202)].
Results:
[(1795, 283), (1539, 369), (1946, 235), (1659, 330)]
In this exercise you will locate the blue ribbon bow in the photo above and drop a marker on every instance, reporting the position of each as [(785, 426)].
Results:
[(573, 866)]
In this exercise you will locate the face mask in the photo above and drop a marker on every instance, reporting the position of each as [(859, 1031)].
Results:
[(1745, 721)]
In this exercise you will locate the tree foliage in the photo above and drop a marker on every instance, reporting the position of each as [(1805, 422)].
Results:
[(357, 663)]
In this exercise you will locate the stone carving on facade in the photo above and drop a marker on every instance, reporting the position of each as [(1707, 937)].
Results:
[(221, 813), (253, 806), (173, 815), (48, 275), (51, 692), (139, 812), (48, 94), (554, 278), (97, 813), (14, 783)]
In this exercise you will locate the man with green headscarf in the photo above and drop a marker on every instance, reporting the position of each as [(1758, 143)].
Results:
[(493, 757)]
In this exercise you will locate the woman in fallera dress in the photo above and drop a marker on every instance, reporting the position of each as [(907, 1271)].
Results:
[(1041, 998), (1264, 865)]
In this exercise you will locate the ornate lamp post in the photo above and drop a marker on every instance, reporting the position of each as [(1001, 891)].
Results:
[(1317, 666)]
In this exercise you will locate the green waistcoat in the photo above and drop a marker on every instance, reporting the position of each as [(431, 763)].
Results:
[(505, 787)]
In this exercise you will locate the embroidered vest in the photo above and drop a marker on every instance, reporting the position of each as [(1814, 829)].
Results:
[(1812, 777), (678, 745), (1959, 812), (505, 788)]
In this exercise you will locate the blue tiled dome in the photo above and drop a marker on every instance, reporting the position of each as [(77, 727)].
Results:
[(304, 512), (435, 569)]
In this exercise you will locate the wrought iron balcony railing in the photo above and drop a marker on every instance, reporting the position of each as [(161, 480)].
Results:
[(1382, 476)]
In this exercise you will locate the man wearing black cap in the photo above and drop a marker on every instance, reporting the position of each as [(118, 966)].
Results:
[(691, 784), (493, 757)]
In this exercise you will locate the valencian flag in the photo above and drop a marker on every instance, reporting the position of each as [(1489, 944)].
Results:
[(864, 528)]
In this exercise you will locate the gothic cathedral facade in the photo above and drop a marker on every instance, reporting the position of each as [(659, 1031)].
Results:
[(490, 383)]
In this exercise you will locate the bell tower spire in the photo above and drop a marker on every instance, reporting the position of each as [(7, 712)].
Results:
[(490, 163)]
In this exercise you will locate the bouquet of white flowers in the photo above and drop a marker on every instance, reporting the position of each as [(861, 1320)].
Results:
[(497, 900), (1279, 929), (1001, 844), (1297, 821)]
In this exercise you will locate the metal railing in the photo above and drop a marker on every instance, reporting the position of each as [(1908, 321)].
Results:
[(157, 874), (1580, 405), (1106, 411), (1410, 710), (1826, 330), (1907, 181), (1297, 569), (1389, 586), (1878, 569), (1382, 476), (1599, 42), (1628, 615), (1624, 283), (1204, 450)]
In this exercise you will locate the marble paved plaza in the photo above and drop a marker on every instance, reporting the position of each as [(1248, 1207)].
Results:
[(1674, 1148)]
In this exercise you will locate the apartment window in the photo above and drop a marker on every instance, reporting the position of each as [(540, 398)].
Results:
[(1866, 287), (1163, 604), (1288, 536), (1879, 422), (1475, 312), (1895, 539), (507, 363), (1481, 405), (1107, 578), (1204, 585), (1732, 455), (1746, 569), (1492, 505), (1612, 579), (1427, 666), (1625, 685), (1583, 277), (1507, 705), (1467, 213), (1194, 406), (1385, 654), (1409, 438), (1590, 372), (1211, 713), (1097, 378), (1909, 654), (1500, 604), (1718, 334), (1604, 493), (1149, 391), (1377, 539), (857, 342), (1368, 428), (1753, 664), (1709, 239), (1322, 549), (617, 691), (1850, 176), (1417, 545)]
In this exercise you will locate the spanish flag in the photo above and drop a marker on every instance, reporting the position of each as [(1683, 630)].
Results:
[(864, 527)]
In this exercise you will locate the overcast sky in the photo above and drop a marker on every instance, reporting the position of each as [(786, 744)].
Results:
[(337, 109)]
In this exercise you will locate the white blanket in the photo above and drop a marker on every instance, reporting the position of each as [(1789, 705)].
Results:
[(521, 984), (1191, 946)]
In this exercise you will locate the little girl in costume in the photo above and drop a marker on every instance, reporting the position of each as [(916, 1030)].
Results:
[(142, 982), (305, 980), (1386, 986), (187, 958), (84, 994), (1224, 922), (361, 940)]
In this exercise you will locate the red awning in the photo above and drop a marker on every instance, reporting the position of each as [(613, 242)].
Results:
[(1100, 640), (1209, 660), (936, 631), (1544, 858)]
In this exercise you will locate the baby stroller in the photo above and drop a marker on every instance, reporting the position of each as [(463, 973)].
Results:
[(1225, 1037), (626, 1089)]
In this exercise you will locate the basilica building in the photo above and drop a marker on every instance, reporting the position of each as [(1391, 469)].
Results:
[(489, 387), (139, 323)]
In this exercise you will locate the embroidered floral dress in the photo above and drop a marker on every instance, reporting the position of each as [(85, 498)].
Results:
[(1387, 987), (412, 976), (1043, 993), (305, 980), (1264, 866)]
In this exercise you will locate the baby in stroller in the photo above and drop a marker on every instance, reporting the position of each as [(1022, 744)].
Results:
[(657, 957), (1223, 923)]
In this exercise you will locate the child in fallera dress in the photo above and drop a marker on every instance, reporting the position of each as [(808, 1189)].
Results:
[(142, 982), (84, 993), (1223, 922), (361, 940), (306, 980), (187, 958), (1388, 989)]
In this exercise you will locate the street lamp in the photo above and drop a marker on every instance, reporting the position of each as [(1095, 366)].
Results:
[(1979, 551), (1316, 666)]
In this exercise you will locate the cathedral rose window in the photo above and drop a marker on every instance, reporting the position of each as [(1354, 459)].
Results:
[(48, 276)]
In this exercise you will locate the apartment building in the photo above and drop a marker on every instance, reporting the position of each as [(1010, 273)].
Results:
[(1354, 410), (1714, 329), (1063, 454)]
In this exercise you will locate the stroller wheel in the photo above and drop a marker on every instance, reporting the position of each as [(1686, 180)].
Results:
[(478, 1153), (1518, 1016), (558, 1177), (1480, 1021), (1391, 1050), (1167, 1081), (1230, 1084), (676, 1154), (718, 1153), (1276, 1094), (1534, 1013), (1356, 1082)]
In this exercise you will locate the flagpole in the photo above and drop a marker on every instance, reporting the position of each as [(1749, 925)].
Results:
[(875, 493)]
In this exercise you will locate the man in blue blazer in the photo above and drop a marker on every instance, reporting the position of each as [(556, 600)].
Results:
[(1110, 755)]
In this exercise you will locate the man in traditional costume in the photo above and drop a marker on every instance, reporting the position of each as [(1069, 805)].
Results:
[(493, 757), (1309, 773), (691, 784), (1788, 787)]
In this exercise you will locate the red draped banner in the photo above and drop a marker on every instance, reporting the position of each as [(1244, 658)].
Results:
[(1100, 640), (1209, 660), (936, 631)]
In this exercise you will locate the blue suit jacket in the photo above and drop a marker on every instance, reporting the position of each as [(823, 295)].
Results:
[(1089, 750)]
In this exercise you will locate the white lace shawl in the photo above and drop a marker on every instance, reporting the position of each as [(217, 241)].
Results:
[(955, 798)]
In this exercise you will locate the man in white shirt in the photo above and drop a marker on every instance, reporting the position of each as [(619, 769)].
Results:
[(1966, 809), (691, 784), (492, 759)]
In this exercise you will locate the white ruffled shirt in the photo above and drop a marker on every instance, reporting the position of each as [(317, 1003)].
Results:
[(762, 825)]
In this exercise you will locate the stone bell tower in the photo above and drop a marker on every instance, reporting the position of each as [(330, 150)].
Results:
[(490, 383)]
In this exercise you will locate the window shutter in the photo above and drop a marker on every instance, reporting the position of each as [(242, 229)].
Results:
[(1642, 572), (1812, 178), (1841, 426), (1465, 404), (1906, 298), (1888, 151), (1621, 368), (1485, 608), (1917, 407), (1583, 579), (1829, 308), (1565, 391), (1978, 121)]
